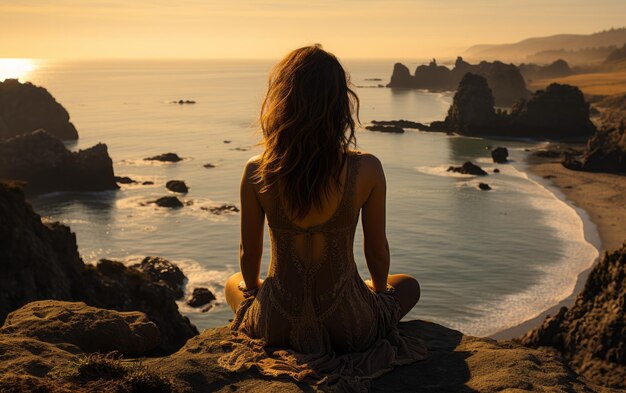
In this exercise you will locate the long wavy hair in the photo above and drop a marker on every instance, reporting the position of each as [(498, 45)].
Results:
[(308, 119)]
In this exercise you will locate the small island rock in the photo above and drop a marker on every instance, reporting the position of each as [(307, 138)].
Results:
[(165, 157), (171, 202), (468, 168), (177, 186), (500, 155), (200, 297)]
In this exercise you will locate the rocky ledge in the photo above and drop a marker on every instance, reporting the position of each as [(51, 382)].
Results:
[(41, 353), (25, 108), (40, 261), (591, 334), (44, 164)]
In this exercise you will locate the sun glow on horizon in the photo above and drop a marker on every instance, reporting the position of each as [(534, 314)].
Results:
[(11, 68)]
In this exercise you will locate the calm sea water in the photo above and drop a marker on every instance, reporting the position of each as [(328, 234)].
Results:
[(485, 260)]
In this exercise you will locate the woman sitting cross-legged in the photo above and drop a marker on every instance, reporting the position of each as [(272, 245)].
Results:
[(313, 318)]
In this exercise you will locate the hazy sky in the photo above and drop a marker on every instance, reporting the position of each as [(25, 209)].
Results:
[(269, 28)]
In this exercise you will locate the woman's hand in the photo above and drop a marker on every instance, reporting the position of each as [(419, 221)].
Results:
[(252, 224)]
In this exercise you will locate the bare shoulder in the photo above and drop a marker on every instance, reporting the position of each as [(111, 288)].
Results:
[(370, 165), (252, 165)]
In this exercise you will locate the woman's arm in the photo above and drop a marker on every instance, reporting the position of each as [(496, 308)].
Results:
[(375, 244), (252, 223)]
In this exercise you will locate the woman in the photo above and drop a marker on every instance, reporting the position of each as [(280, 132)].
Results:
[(313, 318)]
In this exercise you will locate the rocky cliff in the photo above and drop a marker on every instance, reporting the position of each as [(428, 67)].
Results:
[(44, 164), (559, 111), (36, 358), (40, 261), (25, 108), (505, 80), (605, 151), (591, 334)]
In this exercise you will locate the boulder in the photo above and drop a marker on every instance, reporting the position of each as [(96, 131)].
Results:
[(200, 297), (25, 108), (124, 180), (163, 271), (591, 334), (484, 186), (90, 329), (44, 164), (177, 186), (165, 157), (468, 168), (40, 261), (209, 165), (500, 155), (171, 202)]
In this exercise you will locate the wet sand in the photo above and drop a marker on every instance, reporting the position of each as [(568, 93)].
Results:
[(602, 196)]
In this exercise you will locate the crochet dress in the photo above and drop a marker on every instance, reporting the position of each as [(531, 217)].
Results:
[(314, 319)]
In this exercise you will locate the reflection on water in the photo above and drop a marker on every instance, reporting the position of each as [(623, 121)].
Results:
[(16, 68)]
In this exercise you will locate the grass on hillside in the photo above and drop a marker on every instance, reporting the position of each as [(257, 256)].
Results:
[(603, 84)]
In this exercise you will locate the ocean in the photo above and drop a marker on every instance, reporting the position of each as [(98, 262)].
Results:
[(485, 260)]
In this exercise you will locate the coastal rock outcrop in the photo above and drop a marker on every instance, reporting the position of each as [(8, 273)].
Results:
[(90, 329), (559, 111), (456, 363), (44, 164), (165, 157), (200, 297), (505, 80), (385, 128), (25, 108), (472, 111), (500, 155), (169, 201), (163, 271), (468, 168), (591, 334), (177, 186), (40, 261), (605, 152)]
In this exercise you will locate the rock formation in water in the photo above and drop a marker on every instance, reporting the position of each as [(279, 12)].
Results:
[(41, 261), (165, 157), (25, 108), (605, 152), (505, 80), (177, 186), (468, 168), (560, 111), (557, 111), (500, 155), (385, 128), (44, 164), (169, 201), (200, 297), (591, 334), (472, 111), (164, 272)]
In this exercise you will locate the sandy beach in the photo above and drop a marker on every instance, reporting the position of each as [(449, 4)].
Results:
[(603, 198)]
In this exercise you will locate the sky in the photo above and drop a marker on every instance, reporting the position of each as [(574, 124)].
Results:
[(186, 29)]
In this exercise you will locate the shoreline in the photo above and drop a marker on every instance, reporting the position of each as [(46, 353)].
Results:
[(592, 196)]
